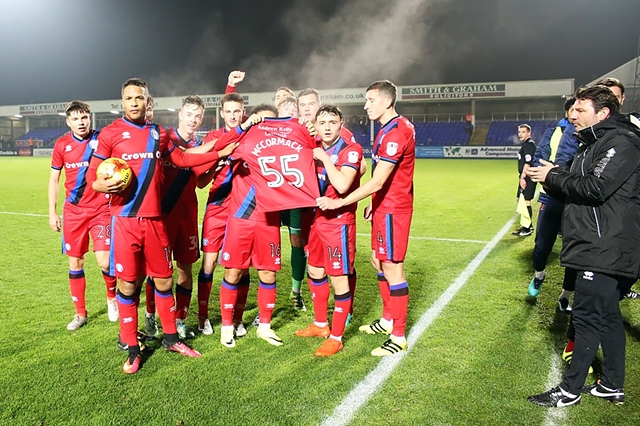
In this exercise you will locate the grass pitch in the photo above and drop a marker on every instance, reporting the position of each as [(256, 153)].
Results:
[(489, 349)]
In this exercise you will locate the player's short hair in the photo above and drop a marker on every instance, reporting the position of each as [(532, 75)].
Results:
[(286, 89), (287, 100), (600, 96), (150, 101), (524, 126), (232, 97), (77, 106), (569, 103), (135, 82), (610, 82), (309, 91), (193, 100), (330, 109), (264, 107), (385, 87)]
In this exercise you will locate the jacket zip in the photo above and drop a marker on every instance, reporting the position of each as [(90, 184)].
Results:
[(595, 216)]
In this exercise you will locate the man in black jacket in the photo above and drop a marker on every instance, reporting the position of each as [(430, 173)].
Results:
[(601, 190)]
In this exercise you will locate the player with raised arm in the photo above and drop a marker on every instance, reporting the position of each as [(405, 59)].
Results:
[(391, 188), (140, 244), (85, 212), (332, 239)]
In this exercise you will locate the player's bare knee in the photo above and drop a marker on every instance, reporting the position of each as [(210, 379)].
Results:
[(76, 263), (163, 284), (232, 275), (267, 276)]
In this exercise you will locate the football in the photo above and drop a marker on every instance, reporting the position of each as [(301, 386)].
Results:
[(115, 168)]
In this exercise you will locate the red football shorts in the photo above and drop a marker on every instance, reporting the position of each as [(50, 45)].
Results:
[(214, 225), (140, 246), (390, 235), (80, 222), (182, 230), (332, 247), (252, 243)]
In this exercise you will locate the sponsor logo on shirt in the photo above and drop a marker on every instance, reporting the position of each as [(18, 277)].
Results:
[(140, 155), (77, 165), (126, 135), (68, 148), (588, 275)]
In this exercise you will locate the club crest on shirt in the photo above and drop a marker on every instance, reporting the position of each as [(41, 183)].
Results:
[(154, 134), (353, 157), (392, 148), (93, 144), (334, 158)]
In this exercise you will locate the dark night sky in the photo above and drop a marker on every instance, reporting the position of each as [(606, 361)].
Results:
[(58, 50)]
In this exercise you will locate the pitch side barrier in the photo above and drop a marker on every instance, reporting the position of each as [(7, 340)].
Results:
[(482, 152)]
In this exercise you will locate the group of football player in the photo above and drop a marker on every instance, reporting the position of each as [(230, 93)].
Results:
[(292, 162)]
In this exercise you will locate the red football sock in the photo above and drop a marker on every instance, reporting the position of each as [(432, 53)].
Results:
[(569, 347), (204, 291), (228, 298), (320, 291), (340, 313), (166, 311), (266, 301), (78, 287), (128, 313), (385, 294), (149, 292), (399, 295), (183, 299), (110, 282), (243, 291)]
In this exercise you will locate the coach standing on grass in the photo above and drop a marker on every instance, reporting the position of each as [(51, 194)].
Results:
[(601, 188)]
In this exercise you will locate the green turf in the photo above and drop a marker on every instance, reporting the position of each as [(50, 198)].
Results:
[(489, 349)]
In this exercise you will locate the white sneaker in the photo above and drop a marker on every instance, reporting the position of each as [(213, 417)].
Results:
[(112, 309), (240, 330), (267, 334), (226, 336), (205, 327), (77, 322), (183, 330), (151, 325)]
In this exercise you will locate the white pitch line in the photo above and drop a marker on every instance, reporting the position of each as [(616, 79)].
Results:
[(449, 240), (411, 237), (363, 391), (555, 416), (25, 214)]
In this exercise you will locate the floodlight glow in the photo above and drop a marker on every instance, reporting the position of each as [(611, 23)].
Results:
[(17, 115), (171, 109), (113, 111)]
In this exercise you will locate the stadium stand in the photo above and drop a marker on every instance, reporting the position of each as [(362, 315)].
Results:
[(503, 133), (427, 133), (48, 135)]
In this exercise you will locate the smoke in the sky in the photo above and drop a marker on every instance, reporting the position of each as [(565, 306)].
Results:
[(362, 41)]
